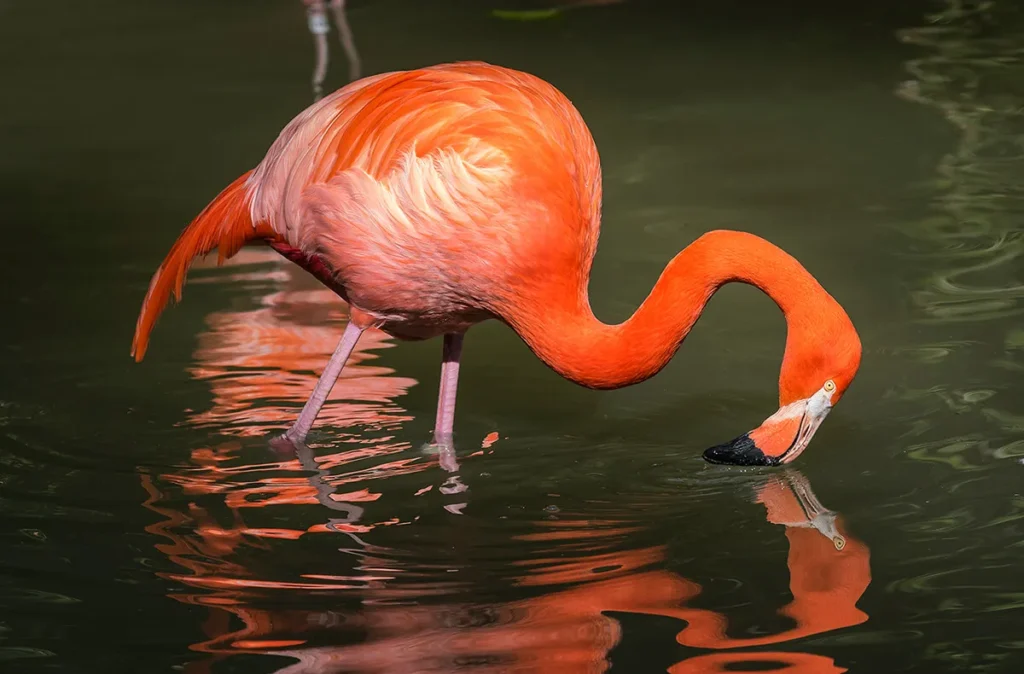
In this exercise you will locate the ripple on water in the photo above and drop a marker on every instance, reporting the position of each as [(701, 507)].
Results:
[(9, 653), (974, 230), (26, 595)]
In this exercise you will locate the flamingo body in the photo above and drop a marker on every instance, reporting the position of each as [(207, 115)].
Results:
[(454, 184), (436, 198)]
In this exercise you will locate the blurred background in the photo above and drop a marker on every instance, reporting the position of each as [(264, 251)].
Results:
[(147, 526)]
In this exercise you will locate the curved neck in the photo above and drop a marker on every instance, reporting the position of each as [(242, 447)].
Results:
[(564, 333)]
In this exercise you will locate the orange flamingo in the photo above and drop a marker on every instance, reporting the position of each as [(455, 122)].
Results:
[(433, 199)]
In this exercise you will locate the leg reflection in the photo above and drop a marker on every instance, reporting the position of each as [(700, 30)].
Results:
[(324, 491)]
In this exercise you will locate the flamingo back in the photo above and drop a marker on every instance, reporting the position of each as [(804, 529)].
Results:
[(440, 195)]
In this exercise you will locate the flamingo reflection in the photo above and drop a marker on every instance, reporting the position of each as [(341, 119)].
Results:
[(567, 631)]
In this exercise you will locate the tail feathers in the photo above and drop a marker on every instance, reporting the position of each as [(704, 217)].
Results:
[(224, 224)]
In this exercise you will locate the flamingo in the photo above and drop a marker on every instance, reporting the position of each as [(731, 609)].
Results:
[(435, 198), (319, 26)]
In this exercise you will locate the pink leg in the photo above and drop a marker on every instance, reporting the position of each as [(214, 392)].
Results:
[(445, 422), (298, 431)]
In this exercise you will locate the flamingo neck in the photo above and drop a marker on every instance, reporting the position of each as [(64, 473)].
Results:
[(562, 330)]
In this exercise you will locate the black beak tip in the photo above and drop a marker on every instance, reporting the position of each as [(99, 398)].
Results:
[(739, 452)]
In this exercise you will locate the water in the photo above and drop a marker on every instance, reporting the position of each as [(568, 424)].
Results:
[(147, 526)]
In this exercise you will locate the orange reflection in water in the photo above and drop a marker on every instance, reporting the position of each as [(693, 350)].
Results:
[(567, 631), (261, 364), (829, 571)]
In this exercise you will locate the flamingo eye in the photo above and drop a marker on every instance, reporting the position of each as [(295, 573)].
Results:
[(830, 386)]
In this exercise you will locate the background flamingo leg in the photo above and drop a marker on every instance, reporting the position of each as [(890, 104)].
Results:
[(318, 28), (348, 41)]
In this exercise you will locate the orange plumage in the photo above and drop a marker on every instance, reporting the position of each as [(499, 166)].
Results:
[(225, 225), (436, 198)]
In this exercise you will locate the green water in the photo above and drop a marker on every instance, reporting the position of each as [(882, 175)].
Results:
[(146, 526)]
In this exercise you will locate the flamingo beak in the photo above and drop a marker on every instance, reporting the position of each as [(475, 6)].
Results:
[(780, 439)]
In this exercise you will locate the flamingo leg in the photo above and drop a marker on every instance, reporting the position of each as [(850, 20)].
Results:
[(299, 430), (444, 425), (348, 42), (318, 27)]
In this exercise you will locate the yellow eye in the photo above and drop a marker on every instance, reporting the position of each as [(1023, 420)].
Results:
[(830, 386)]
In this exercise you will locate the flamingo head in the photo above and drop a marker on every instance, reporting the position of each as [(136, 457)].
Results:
[(820, 363)]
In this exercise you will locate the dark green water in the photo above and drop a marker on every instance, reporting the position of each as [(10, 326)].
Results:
[(145, 525)]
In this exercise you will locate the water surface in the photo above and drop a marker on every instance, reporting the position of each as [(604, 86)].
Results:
[(147, 525)]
